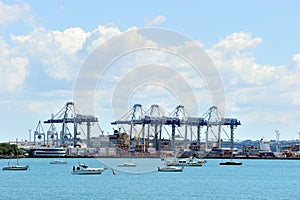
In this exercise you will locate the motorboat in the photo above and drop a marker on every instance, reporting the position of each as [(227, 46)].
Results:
[(15, 166), (83, 169), (191, 162), (170, 169), (187, 162), (230, 163), (58, 162), (127, 164)]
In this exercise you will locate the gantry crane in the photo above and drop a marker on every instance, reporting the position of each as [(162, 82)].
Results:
[(136, 116), (133, 117), (39, 133), (187, 120), (177, 118), (214, 124), (154, 115), (70, 114)]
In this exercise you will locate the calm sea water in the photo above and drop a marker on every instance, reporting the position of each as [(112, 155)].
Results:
[(255, 179)]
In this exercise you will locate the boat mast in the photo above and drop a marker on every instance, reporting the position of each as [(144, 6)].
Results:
[(17, 151), (231, 141)]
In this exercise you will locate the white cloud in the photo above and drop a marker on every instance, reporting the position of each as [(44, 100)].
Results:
[(237, 41), (296, 61), (155, 21), (12, 68), (56, 50), (61, 53), (257, 92), (71, 39), (237, 65), (100, 35), (15, 12)]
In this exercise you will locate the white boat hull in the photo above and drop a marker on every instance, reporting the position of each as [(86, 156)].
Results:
[(90, 171), (127, 165), (187, 163), (83, 169), (58, 162), (170, 169), (15, 168)]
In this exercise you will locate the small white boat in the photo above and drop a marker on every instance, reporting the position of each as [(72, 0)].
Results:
[(187, 162), (83, 169), (58, 162), (127, 164), (170, 169), (15, 166)]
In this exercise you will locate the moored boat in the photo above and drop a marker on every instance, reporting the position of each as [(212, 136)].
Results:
[(170, 169), (230, 163), (83, 169), (58, 162), (15, 166), (191, 162), (127, 164)]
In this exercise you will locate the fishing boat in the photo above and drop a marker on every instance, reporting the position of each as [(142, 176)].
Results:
[(83, 169), (58, 162), (127, 164), (170, 169), (14, 166)]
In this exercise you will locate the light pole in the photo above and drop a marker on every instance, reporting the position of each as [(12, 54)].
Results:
[(277, 138), (29, 130)]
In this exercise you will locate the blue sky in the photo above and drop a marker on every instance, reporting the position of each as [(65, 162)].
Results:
[(254, 45)]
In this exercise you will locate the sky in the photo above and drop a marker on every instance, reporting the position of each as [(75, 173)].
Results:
[(45, 46)]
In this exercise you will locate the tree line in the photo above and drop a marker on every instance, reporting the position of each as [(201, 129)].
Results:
[(9, 149)]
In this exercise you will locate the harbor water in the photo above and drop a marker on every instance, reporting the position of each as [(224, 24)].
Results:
[(255, 179)]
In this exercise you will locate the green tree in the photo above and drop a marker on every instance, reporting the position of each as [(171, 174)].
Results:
[(7, 149)]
